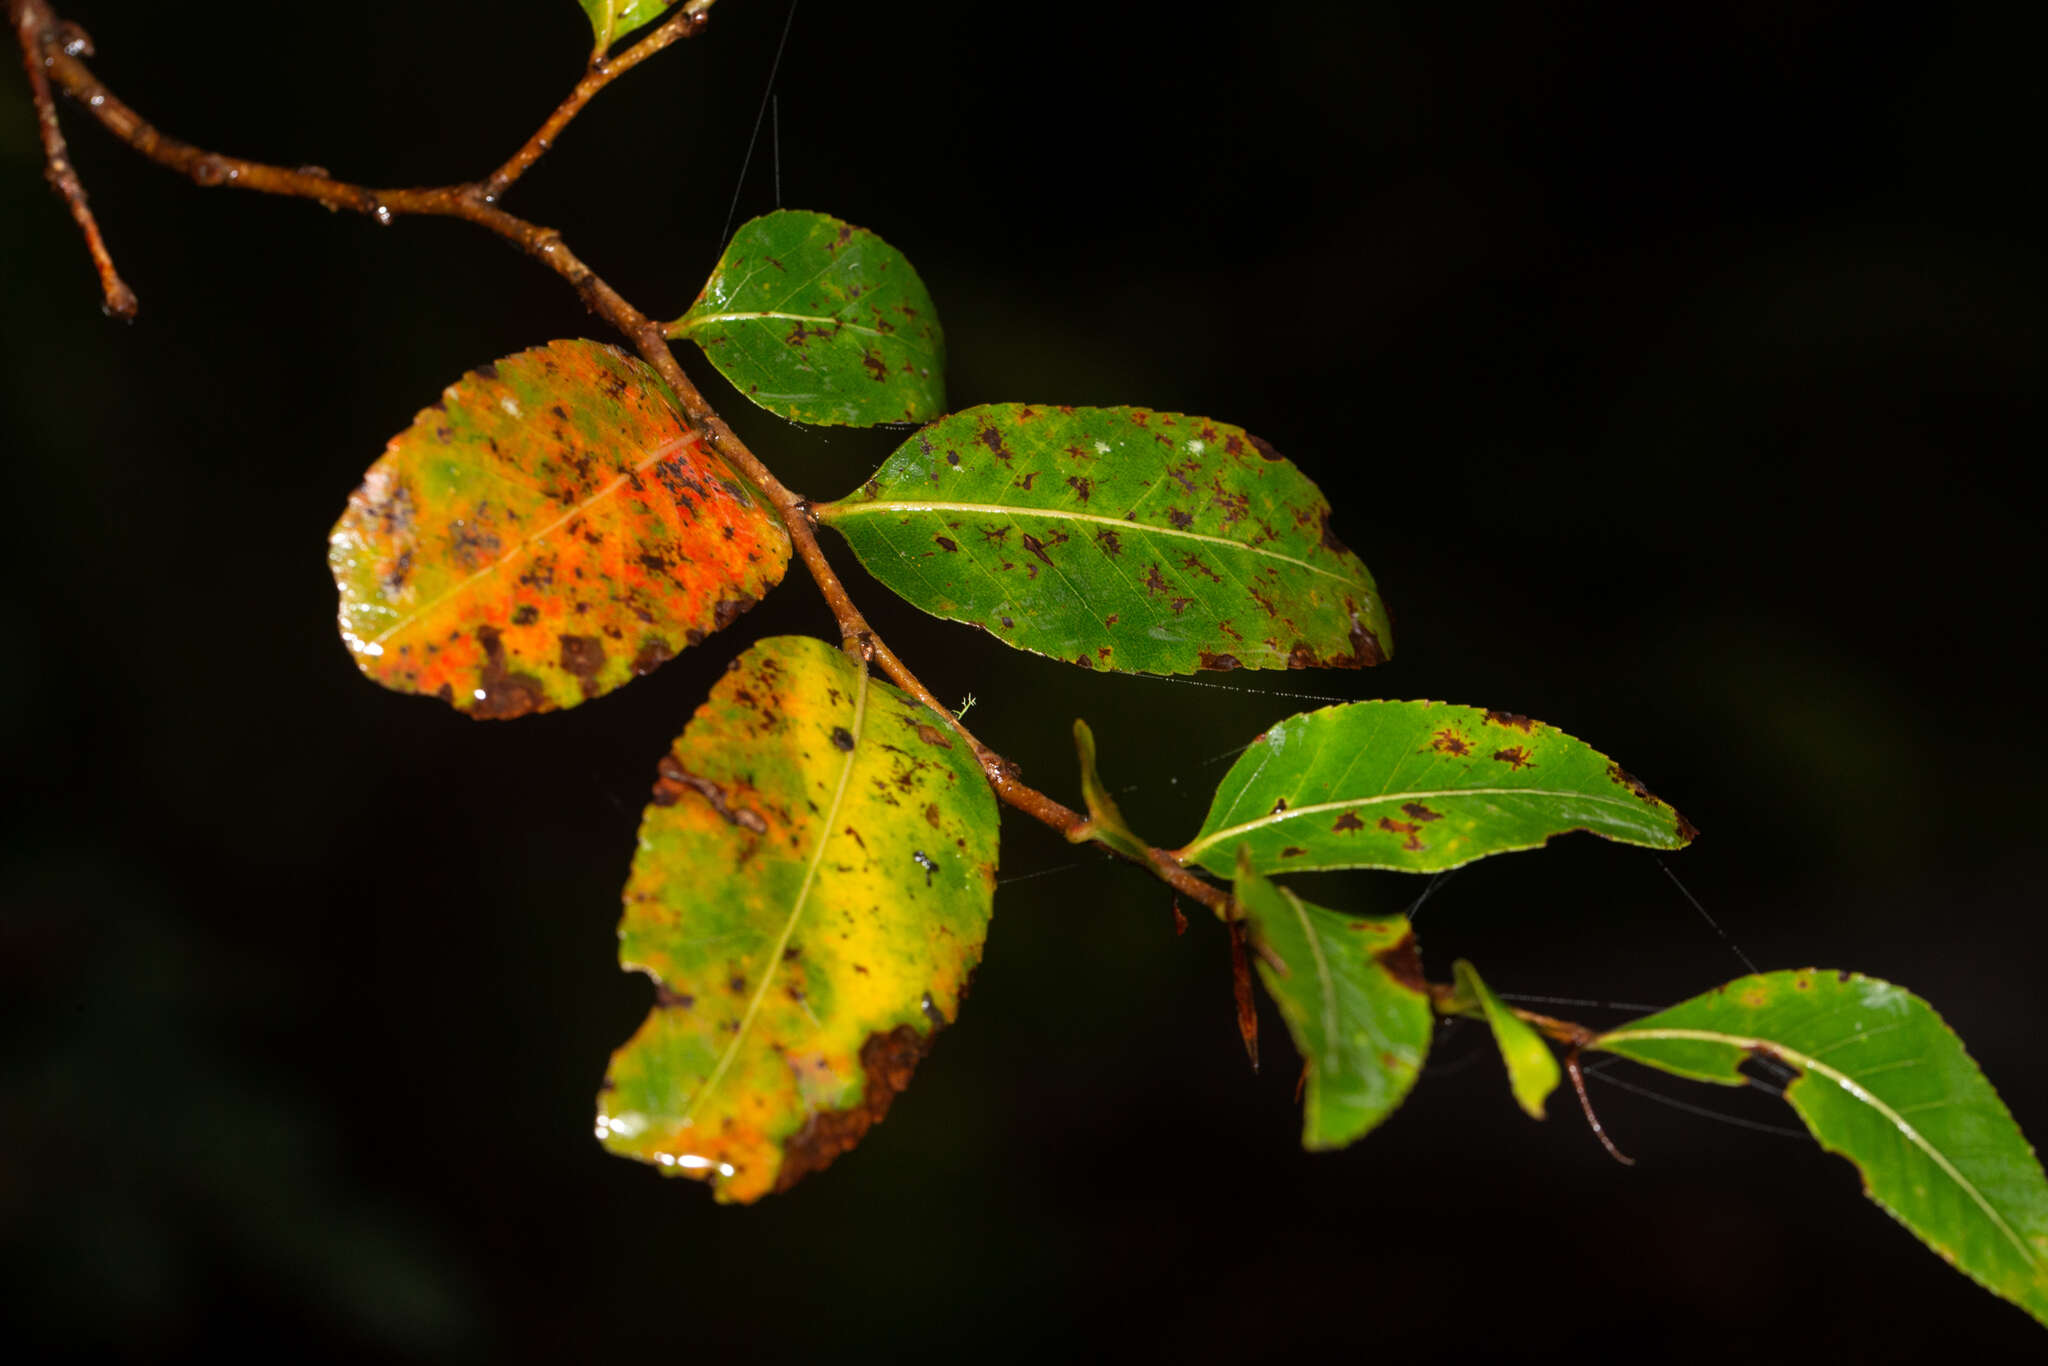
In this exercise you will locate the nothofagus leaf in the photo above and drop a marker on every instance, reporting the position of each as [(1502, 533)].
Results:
[(1352, 994), (1418, 786), (1105, 825), (1885, 1083), (822, 322), (1117, 538), (611, 20), (548, 530), (810, 896), (1533, 1072)]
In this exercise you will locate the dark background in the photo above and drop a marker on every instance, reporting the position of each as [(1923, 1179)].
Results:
[(1671, 371)]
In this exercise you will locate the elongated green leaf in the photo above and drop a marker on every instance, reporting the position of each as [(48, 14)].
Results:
[(548, 530), (1883, 1082), (821, 322), (1352, 995), (1533, 1072), (611, 20), (1118, 538), (1106, 825), (810, 896), (1418, 786)]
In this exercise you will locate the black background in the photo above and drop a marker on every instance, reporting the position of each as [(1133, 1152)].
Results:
[(1671, 367)]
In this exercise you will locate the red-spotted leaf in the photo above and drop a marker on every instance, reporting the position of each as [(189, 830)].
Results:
[(546, 532), (1117, 538)]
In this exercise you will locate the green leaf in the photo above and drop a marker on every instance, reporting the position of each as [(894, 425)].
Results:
[(810, 896), (548, 530), (1352, 995), (1106, 824), (1118, 538), (821, 322), (1418, 786), (1883, 1082), (1533, 1072), (611, 20)]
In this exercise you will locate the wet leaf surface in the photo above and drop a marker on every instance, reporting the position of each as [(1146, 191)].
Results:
[(1117, 538), (821, 322), (611, 20), (545, 532), (1885, 1083), (1418, 786), (1350, 990), (810, 896), (1533, 1072)]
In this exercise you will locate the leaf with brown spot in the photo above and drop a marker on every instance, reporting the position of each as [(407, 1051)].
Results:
[(548, 531), (1122, 572), (815, 880), (1390, 785), (843, 334), (1361, 1027)]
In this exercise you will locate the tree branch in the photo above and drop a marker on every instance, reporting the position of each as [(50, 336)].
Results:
[(45, 50), (38, 31)]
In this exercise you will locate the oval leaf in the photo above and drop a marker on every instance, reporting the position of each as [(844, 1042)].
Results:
[(611, 20), (1533, 1072), (1118, 538), (810, 896), (1351, 992), (547, 531), (1883, 1082), (1418, 786), (821, 322)]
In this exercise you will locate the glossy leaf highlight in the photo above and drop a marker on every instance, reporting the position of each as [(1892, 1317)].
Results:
[(1885, 1083), (810, 896), (545, 532), (1351, 992), (1117, 538), (611, 20), (1533, 1072), (1418, 786), (821, 322)]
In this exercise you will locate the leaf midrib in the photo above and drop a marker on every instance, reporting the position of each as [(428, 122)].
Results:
[(1808, 1063), (832, 512), (828, 822), (1194, 847)]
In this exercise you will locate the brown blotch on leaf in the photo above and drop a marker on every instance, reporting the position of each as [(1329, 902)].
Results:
[(1180, 519), (931, 814), (1348, 821), (888, 1060), (505, 694), (1450, 742), (1410, 832), (993, 439), (1516, 757), (1223, 663), (583, 656), (1417, 811), (1036, 547), (667, 998), (730, 610), (932, 735), (1293, 851), (1264, 448), (842, 739), (1081, 487), (947, 544), (672, 780), (1511, 720), (653, 654), (1330, 541), (1403, 963)]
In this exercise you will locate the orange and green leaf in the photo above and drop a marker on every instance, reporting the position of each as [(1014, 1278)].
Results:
[(548, 530), (810, 895)]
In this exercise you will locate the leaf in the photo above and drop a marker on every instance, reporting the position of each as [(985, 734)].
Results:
[(810, 895), (821, 322), (1105, 824), (1352, 995), (1883, 1082), (611, 20), (1418, 786), (1118, 538), (548, 530), (1533, 1072)]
